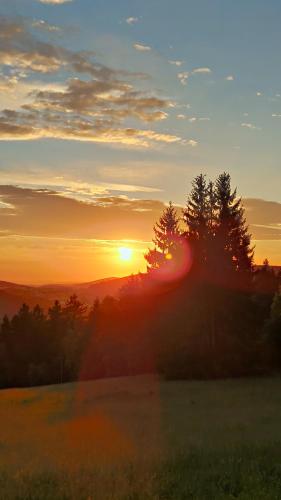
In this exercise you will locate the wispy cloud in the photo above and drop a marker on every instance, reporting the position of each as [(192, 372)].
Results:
[(229, 78), (183, 77), (132, 20), (176, 63), (201, 70), (192, 143), (264, 218), (142, 48), (54, 2), (79, 130), (250, 126), (20, 49), (43, 25)]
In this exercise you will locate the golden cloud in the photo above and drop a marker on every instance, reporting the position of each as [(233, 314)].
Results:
[(95, 110)]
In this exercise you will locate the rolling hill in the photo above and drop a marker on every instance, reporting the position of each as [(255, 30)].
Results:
[(13, 295)]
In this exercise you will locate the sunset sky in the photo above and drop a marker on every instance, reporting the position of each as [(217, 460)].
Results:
[(109, 108)]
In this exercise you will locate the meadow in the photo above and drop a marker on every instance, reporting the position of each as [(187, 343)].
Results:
[(142, 438)]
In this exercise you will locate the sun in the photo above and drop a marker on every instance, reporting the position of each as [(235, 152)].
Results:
[(125, 253)]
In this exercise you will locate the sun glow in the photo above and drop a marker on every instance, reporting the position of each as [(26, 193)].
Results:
[(125, 253)]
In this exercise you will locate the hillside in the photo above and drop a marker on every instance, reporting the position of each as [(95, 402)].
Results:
[(13, 295), (141, 437)]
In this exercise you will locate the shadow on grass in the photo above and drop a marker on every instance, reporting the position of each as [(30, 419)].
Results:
[(245, 473)]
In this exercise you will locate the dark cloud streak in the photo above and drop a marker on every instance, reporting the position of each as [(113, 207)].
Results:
[(29, 212)]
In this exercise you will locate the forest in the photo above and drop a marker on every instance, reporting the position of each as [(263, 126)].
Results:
[(202, 310)]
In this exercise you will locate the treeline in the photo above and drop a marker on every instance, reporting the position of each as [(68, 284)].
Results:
[(202, 309), (71, 342)]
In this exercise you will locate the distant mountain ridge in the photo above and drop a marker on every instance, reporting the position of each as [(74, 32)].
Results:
[(13, 295)]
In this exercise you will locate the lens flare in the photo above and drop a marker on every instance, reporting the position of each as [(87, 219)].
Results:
[(177, 265)]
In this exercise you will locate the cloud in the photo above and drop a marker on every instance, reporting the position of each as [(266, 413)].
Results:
[(250, 126), (20, 49), (132, 20), (83, 131), (276, 115), (229, 78), (183, 77), (191, 142), (92, 111), (142, 48), (259, 94), (264, 218), (54, 2), (43, 25), (45, 213), (176, 63), (193, 119), (105, 99), (201, 70), (96, 109)]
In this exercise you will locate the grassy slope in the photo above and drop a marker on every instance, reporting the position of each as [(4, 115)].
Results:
[(142, 438)]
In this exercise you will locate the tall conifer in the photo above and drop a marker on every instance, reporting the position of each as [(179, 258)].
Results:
[(166, 238)]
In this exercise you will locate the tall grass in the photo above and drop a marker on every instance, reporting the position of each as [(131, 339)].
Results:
[(245, 473), (141, 438)]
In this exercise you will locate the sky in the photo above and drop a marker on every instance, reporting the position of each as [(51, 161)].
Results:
[(109, 108)]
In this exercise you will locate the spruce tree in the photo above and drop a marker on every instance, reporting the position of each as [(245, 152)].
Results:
[(166, 239), (211, 208), (196, 218), (233, 240)]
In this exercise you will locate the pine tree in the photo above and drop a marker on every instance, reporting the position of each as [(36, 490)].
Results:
[(93, 315), (5, 327), (166, 239), (234, 241), (211, 208), (74, 313), (55, 317), (132, 288), (196, 217), (276, 307)]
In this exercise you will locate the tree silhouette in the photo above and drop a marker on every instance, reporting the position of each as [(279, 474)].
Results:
[(233, 240), (166, 239), (196, 216)]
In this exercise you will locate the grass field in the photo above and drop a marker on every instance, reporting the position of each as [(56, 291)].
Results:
[(141, 438)]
